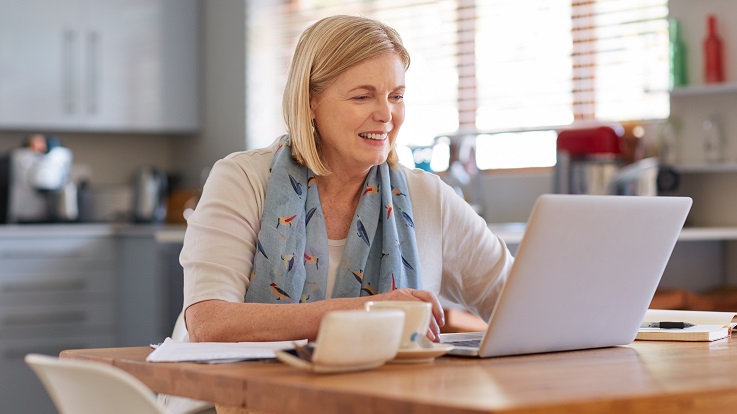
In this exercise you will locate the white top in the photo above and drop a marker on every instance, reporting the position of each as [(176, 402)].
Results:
[(335, 253), (460, 259)]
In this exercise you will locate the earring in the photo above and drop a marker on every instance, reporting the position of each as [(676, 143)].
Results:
[(315, 132)]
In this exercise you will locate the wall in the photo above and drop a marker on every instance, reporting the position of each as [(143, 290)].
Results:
[(110, 158), (224, 91), (509, 197)]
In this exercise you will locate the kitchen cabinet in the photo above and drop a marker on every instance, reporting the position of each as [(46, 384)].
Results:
[(150, 288), (694, 111), (56, 292), (709, 261), (99, 65), (81, 286), (701, 115)]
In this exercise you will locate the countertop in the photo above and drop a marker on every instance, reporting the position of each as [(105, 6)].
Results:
[(511, 233), (165, 233)]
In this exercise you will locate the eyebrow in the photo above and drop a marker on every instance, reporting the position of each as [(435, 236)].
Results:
[(372, 88)]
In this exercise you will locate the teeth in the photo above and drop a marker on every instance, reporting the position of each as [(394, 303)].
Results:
[(372, 136)]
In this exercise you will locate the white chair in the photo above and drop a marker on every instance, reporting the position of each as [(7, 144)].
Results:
[(179, 332), (81, 387)]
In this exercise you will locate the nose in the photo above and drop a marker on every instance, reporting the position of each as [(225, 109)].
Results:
[(383, 111)]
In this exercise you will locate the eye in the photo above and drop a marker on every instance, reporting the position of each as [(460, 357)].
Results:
[(360, 98), (397, 97)]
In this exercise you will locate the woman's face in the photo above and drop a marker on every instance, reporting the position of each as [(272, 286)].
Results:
[(359, 114)]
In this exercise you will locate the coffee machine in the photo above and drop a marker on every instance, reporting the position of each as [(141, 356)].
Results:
[(588, 160), (594, 161), (34, 183)]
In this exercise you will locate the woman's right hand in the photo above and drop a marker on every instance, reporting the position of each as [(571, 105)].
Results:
[(406, 294)]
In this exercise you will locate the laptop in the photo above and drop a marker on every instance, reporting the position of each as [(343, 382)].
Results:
[(584, 274)]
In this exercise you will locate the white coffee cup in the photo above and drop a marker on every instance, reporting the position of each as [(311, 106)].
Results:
[(416, 319)]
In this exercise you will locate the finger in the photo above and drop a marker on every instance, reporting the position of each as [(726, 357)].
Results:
[(435, 330), (437, 308)]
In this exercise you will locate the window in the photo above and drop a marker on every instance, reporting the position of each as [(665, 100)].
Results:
[(510, 72)]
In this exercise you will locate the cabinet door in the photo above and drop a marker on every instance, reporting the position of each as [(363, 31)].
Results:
[(40, 46), (99, 65), (141, 64)]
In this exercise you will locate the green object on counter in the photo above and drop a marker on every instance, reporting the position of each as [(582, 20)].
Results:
[(678, 67)]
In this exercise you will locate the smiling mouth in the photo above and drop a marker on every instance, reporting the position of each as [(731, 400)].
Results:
[(376, 137)]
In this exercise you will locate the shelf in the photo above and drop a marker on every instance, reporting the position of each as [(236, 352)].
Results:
[(708, 233), (723, 167), (512, 233), (711, 89)]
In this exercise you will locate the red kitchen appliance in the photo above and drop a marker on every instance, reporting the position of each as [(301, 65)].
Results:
[(588, 160)]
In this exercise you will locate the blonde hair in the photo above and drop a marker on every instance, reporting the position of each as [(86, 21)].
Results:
[(325, 50)]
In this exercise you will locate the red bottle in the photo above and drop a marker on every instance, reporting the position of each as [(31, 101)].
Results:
[(713, 63)]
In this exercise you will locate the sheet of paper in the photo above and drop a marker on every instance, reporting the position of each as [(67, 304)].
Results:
[(217, 352)]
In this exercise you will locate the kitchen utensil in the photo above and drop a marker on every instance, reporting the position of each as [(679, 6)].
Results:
[(32, 176), (150, 195)]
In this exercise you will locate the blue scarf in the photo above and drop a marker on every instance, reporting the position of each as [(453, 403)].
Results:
[(291, 262)]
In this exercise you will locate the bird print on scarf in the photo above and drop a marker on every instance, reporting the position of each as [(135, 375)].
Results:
[(291, 260)]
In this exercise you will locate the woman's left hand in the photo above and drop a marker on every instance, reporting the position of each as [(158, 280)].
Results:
[(438, 319)]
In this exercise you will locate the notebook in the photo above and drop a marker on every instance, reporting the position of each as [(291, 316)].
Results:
[(584, 274), (707, 326)]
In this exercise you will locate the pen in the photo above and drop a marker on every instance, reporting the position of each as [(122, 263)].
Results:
[(666, 325)]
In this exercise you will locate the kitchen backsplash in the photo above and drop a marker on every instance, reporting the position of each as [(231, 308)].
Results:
[(110, 159)]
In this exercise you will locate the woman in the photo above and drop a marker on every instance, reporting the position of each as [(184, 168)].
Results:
[(325, 218)]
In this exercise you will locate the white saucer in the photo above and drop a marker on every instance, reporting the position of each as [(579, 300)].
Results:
[(296, 362), (421, 355)]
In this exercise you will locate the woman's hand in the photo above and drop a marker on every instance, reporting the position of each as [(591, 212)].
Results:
[(406, 294)]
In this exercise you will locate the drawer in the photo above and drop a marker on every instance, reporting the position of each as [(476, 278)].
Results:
[(53, 248), (55, 287), (33, 321), (28, 266)]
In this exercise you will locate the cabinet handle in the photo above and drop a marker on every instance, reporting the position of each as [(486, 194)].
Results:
[(93, 40), (45, 318), (44, 286), (68, 40)]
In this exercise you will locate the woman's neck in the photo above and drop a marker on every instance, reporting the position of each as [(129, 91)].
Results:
[(340, 187), (339, 198)]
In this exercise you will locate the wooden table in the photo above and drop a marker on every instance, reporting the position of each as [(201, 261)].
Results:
[(645, 377)]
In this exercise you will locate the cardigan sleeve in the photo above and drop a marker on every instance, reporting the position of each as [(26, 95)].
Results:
[(462, 260), (220, 240)]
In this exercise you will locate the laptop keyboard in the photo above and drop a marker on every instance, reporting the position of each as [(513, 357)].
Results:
[(473, 343)]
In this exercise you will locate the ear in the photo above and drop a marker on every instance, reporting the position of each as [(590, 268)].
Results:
[(313, 106)]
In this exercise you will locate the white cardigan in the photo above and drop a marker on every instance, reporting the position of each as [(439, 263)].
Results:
[(461, 261)]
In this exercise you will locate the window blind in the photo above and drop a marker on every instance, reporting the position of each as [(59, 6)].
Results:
[(620, 59), (492, 66)]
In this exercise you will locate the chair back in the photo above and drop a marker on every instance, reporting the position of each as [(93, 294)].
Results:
[(82, 387), (179, 332)]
